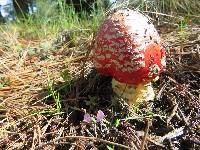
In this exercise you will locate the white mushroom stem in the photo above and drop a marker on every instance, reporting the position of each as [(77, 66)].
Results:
[(134, 94)]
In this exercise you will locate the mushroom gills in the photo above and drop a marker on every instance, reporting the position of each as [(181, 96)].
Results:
[(134, 94)]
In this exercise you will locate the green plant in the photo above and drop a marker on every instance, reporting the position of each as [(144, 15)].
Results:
[(92, 101), (51, 17), (55, 96), (4, 81), (109, 148), (117, 122), (66, 75), (167, 10)]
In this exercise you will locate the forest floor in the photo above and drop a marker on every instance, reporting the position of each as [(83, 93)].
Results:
[(48, 89)]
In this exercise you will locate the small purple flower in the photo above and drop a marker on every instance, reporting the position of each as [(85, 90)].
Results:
[(100, 116), (87, 118)]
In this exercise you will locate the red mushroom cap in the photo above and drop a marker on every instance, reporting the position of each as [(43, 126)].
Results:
[(127, 47)]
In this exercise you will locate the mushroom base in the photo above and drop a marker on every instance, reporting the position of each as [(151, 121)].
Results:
[(134, 94)]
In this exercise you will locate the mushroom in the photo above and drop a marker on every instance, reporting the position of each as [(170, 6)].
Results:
[(128, 48)]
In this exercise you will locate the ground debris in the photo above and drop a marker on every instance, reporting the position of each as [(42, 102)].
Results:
[(36, 114)]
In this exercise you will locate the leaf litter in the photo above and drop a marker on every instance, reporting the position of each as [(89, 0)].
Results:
[(91, 116)]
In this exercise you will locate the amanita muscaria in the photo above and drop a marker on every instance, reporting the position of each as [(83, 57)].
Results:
[(128, 48)]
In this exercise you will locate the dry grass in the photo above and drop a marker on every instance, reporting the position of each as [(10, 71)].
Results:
[(29, 119)]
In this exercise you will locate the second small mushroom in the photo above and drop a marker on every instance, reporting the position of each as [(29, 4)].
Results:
[(128, 48)]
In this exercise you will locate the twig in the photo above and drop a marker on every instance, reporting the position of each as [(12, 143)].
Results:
[(156, 143), (161, 14), (81, 137), (172, 134), (161, 90), (183, 116), (185, 53), (145, 135), (137, 141), (80, 58), (172, 114), (143, 117)]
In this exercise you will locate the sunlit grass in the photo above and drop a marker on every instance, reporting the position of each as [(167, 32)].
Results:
[(52, 17), (188, 9)]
